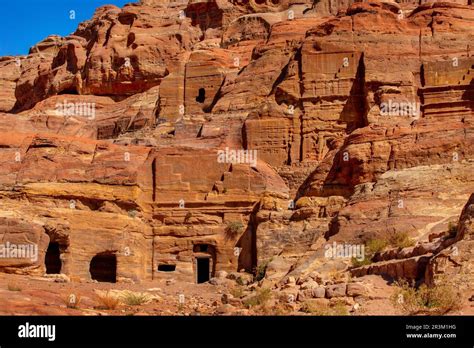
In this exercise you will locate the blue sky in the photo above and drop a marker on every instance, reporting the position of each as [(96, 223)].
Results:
[(25, 22)]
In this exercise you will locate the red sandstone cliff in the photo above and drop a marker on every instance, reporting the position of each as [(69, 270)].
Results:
[(297, 89)]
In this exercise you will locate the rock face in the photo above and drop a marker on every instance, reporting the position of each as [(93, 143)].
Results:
[(182, 139), (456, 263), (9, 72)]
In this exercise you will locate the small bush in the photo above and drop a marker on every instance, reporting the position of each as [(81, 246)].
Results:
[(261, 270), (234, 228), (359, 263), (452, 229), (259, 299), (108, 301), (436, 300), (134, 298), (401, 240), (372, 247), (13, 287), (375, 246)]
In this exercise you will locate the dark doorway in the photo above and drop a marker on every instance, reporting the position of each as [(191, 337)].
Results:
[(53, 260), (203, 269), (103, 268), (201, 96)]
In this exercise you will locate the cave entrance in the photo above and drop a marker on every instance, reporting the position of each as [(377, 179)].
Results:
[(53, 259), (203, 268), (166, 268), (103, 267), (71, 90), (201, 95)]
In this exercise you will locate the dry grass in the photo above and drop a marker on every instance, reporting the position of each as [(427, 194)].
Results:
[(336, 309), (233, 229), (337, 276), (108, 301), (237, 292), (135, 298), (281, 309), (436, 300), (259, 299)]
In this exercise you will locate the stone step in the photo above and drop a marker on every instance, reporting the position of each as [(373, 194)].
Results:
[(412, 268)]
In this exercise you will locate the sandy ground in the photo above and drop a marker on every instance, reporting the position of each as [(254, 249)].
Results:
[(26, 295)]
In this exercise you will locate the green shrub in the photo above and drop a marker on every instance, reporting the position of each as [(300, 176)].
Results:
[(452, 229), (375, 246), (261, 270), (401, 240), (359, 263), (372, 247)]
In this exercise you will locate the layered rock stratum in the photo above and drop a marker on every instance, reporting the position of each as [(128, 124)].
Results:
[(183, 139)]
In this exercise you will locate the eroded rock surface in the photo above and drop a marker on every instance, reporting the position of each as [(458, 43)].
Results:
[(177, 140)]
